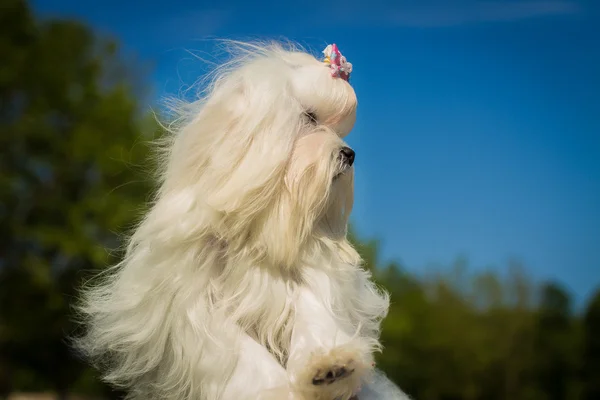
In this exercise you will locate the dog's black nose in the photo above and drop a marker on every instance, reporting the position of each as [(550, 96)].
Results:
[(347, 155)]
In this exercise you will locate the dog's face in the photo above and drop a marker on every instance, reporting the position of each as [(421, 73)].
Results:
[(265, 154), (327, 109)]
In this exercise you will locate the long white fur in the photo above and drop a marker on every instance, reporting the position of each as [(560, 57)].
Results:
[(239, 282)]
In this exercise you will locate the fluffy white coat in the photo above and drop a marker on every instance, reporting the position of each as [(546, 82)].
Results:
[(239, 283)]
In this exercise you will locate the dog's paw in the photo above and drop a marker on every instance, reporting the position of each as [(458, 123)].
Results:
[(334, 374)]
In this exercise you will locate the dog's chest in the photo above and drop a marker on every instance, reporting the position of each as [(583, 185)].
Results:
[(268, 316)]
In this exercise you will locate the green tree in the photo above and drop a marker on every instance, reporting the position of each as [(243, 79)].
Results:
[(69, 124), (555, 343), (457, 335), (591, 353)]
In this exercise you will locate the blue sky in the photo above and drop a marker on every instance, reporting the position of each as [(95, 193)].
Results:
[(479, 121)]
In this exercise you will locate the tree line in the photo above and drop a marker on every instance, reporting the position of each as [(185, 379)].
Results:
[(73, 178)]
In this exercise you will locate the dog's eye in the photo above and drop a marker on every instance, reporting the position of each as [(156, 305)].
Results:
[(311, 116)]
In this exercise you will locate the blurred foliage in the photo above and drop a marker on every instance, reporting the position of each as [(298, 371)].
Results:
[(69, 180), (71, 135)]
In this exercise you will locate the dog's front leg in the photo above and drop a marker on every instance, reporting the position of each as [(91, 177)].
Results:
[(327, 359), (257, 375)]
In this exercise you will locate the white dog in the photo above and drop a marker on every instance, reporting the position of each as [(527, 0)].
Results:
[(239, 283)]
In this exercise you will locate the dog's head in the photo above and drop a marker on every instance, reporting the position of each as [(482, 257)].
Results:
[(261, 163)]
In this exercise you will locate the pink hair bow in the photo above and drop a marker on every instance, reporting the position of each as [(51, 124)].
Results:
[(340, 68)]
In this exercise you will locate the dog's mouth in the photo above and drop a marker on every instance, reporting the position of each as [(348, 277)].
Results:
[(343, 171)]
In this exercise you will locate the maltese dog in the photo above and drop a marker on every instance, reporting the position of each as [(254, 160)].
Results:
[(239, 282)]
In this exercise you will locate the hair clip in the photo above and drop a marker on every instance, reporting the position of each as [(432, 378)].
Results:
[(340, 68)]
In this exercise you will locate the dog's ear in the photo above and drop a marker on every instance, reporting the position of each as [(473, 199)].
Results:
[(235, 151), (256, 141)]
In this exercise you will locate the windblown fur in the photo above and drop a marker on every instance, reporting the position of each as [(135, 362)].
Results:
[(239, 282)]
